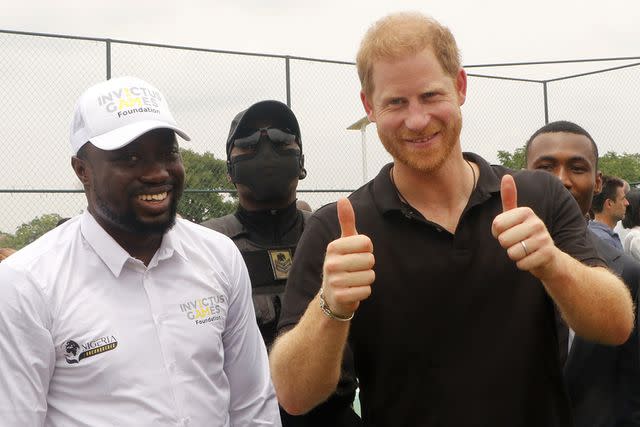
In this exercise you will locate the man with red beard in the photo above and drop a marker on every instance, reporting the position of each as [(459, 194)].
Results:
[(445, 299)]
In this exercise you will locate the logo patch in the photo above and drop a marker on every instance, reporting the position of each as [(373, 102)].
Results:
[(204, 310), (281, 261), (131, 100), (74, 352)]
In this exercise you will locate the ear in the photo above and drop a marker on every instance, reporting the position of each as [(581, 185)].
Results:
[(461, 85), (598, 187), (81, 168), (368, 107), (303, 171), (229, 170)]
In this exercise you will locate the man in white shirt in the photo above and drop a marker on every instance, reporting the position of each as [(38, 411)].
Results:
[(124, 315)]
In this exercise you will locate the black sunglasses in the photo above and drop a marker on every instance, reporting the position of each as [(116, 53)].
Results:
[(277, 136)]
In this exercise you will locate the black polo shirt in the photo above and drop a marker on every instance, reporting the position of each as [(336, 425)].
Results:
[(453, 333)]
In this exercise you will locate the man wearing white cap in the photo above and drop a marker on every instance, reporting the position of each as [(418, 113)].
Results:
[(125, 315)]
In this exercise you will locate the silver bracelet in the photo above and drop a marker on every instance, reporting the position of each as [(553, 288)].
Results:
[(326, 310)]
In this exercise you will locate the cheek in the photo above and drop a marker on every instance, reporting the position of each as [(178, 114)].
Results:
[(446, 112), (389, 121), (178, 172)]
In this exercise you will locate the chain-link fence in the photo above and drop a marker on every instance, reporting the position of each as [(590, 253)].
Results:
[(42, 76)]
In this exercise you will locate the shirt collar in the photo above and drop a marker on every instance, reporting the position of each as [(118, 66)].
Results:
[(387, 198), (604, 227), (114, 256)]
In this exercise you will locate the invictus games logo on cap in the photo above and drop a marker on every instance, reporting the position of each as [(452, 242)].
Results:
[(130, 100), (74, 352)]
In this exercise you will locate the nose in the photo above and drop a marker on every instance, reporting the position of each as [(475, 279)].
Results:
[(564, 178), (417, 118), (155, 171)]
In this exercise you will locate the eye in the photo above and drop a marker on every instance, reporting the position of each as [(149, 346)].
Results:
[(128, 158), (396, 101), (174, 153), (428, 95), (544, 167), (580, 168)]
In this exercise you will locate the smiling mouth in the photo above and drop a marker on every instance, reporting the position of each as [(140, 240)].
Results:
[(153, 197), (422, 140)]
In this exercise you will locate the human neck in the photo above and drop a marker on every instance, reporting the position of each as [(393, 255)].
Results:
[(142, 246), (139, 246), (251, 205), (606, 219), (270, 225), (441, 195)]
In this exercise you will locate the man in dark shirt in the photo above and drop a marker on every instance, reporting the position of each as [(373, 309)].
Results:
[(603, 381), (445, 299), (265, 162)]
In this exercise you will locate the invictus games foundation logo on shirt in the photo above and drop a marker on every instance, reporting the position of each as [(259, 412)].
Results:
[(204, 310), (74, 352)]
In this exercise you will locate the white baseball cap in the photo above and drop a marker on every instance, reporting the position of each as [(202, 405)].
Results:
[(113, 113)]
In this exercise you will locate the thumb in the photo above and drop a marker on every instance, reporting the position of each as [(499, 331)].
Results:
[(508, 193), (346, 217)]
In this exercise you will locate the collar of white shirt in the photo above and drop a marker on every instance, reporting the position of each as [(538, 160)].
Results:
[(114, 256)]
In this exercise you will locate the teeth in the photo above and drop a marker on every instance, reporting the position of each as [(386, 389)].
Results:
[(424, 139), (157, 197)]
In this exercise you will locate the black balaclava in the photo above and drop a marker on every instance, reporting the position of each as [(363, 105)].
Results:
[(268, 172)]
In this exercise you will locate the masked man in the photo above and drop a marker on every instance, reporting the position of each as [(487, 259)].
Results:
[(265, 162)]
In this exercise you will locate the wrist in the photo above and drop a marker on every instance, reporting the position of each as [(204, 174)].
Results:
[(330, 313)]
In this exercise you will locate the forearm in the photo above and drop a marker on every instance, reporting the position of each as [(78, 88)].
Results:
[(593, 301), (306, 361)]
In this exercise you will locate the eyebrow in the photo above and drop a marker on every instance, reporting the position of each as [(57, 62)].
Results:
[(555, 160)]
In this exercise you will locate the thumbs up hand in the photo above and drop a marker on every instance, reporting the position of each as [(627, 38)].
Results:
[(348, 265), (523, 234)]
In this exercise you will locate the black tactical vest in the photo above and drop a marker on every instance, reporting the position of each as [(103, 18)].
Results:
[(268, 268)]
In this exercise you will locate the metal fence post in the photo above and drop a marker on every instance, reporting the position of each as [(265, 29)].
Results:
[(546, 103), (287, 73), (108, 48)]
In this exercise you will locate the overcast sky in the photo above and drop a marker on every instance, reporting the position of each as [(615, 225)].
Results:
[(42, 77), (487, 31)]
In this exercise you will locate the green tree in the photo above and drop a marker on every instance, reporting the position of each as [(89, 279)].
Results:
[(513, 160), (205, 172), (625, 165), (30, 231)]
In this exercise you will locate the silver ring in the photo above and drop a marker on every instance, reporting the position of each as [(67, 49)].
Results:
[(524, 246)]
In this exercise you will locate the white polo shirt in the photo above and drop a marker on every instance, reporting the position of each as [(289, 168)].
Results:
[(89, 336)]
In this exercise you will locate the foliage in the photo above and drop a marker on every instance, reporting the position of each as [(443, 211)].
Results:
[(625, 165), (205, 172), (30, 231), (513, 160)]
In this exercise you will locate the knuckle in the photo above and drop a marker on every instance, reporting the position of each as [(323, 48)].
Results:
[(332, 246), (331, 265), (372, 276), (371, 260)]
